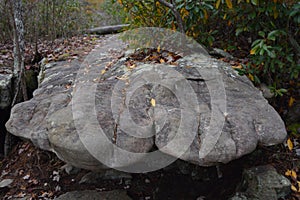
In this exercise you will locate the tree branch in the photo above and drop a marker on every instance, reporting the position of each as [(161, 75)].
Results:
[(175, 13)]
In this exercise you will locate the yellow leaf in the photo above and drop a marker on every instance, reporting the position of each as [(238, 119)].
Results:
[(237, 66), (218, 4), (173, 26), (251, 77), (103, 71), (253, 51), (153, 103), (225, 16), (276, 13), (294, 188), (132, 66), (291, 101), (158, 49), (184, 13), (162, 61), (288, 172), (229, 3), (290, 144), (205, 14), (293, 174)]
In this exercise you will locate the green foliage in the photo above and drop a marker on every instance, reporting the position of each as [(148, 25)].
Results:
[(267, 30), (115, 11), (47, 18), (146, 13), (55, 18)]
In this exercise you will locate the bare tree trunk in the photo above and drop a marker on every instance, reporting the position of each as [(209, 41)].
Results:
[(19, 47), (18, 68)]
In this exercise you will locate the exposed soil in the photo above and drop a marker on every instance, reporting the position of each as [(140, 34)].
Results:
[(38, 174)]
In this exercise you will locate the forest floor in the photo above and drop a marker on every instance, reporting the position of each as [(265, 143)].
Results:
[(38, 174)]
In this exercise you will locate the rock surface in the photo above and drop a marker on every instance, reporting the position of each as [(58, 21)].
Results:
[(5, 183), (5, 103), (262, 182), (138, 115), (94, 195), (5, 90)]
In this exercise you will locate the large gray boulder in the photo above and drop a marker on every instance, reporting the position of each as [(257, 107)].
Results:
[(213, 114)]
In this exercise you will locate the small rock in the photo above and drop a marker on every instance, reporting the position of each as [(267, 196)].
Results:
[(239, 196), (111, 174), (6, 182), (5, 90), (94, 195), (69, 169), (262, 182), (267, 93), (221, 53)]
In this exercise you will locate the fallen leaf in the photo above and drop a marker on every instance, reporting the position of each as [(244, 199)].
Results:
[(21, 195), (293, 174), (251, 77), (26, 177), (290, 144), (294, 188), (288, 172), (122, 78), (109, 64), (153, 103), (237, 66), (132, 66), (291, 101), (103, 71)]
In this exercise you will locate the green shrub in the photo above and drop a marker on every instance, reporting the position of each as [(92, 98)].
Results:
[(47, 19), (267, 30)]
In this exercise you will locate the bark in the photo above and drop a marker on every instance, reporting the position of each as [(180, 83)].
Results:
[(19, 47)]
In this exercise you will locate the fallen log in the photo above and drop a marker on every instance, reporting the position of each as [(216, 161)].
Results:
[(107, 29)]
